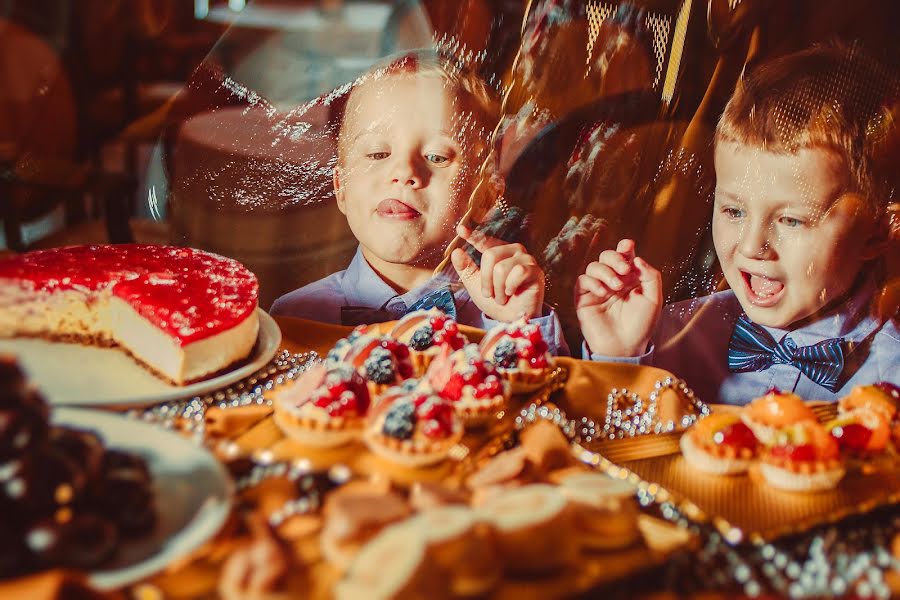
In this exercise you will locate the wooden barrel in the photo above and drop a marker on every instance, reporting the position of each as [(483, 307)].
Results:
[(256, 185)]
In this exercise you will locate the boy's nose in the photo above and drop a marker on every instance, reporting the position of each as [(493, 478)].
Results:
[(755, 241), (407, 172)]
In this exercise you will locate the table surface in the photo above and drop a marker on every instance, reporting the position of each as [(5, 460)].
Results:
[(251, 430)]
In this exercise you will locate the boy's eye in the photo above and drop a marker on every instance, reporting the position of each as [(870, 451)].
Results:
[(790, 221), (436, 159), (378, 155)]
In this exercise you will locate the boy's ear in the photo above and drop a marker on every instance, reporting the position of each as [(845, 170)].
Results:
[(885, 233), (338, 190)]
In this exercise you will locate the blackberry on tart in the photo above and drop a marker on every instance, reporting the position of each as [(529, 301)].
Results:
[(413, 426), (425, 332), (520, 354)]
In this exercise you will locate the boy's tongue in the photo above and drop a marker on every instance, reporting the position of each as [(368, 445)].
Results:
[(763, 286)]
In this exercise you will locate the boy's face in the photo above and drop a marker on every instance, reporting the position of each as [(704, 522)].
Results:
[(788, 239), (405, 169)]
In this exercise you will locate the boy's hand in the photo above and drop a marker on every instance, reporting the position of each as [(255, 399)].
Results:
[(508, 285), (618, 300)]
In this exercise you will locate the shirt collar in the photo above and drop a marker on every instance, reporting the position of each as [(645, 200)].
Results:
[(851, 320), (362, 286)]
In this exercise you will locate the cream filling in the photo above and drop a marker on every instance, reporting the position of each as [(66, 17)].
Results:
[(106, 318), (180, 363), (64, 313)]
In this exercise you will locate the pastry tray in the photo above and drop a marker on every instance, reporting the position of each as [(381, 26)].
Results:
[(592, 571), (742, 508)]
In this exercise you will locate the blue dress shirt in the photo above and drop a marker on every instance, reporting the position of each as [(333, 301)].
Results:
[(360, 285), (691, 341)]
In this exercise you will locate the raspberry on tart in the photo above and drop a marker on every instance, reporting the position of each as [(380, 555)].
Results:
[(425, 332), (882, 397), (720, 444), (804, 457), (861, 431), (183, 313), (413, 426), (520, 354), (324, 407), (470, 382)]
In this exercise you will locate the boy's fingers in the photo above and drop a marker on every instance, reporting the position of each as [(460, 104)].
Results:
[(617, 261), (606, 275), (518, 276), (500, 274), (626, 248), (587, 285), (504, 269), (479, 240), (651, 279), (464, 265)]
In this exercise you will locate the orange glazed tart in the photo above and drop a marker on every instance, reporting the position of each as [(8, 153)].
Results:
[(324, 407), (883, 398), (425, 332), (768, 414), (182, 313), (413, 427), (470, 382), (520, 354), (720, 444), (804, 458)]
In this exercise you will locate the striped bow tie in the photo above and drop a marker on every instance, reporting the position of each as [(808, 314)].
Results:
[(752, 348), (360, 315)]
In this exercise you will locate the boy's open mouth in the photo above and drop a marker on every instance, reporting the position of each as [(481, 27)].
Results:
[(762, 290), (392, 208)]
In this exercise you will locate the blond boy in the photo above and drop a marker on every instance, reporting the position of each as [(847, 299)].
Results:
[(801, 221), (412, 137)]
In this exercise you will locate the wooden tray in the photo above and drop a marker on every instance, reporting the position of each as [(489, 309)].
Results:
[(742, 508)]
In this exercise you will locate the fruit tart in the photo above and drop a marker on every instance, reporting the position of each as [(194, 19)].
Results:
[(383, 362), (413, 426), (425, 332), (768, 414), (861, 432), (883, 398), (470, 382), (720, 444), (521, 355), (324, 407), (803, 458)]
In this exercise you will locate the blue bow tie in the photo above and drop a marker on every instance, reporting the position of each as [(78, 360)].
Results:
[(361, 315), (752, 348)]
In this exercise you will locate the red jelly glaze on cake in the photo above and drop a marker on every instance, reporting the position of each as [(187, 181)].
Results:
[(188, 293)]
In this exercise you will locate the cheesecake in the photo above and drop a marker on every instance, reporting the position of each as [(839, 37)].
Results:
[(182, 313)]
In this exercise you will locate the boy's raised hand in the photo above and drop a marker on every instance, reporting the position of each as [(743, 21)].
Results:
[(509, 283), (618, 300)]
